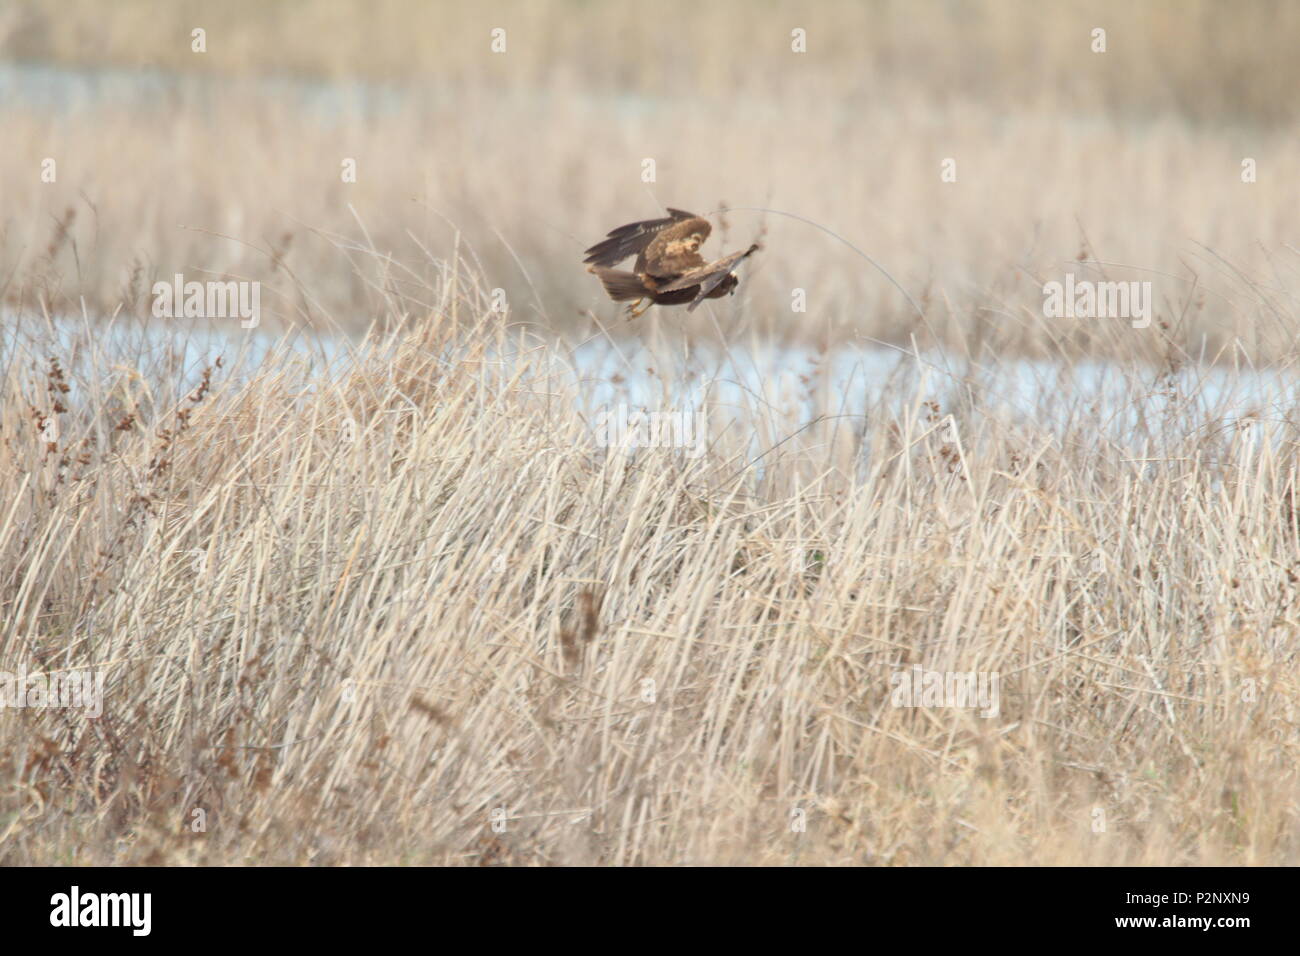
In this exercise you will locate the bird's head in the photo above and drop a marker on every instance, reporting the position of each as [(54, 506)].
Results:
[(693, 241)]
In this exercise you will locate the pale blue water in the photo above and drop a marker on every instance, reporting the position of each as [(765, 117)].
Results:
[(57, 88), (53, 88), (791, 385)]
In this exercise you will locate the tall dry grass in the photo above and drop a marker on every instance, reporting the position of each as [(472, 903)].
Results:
[(362, 616)]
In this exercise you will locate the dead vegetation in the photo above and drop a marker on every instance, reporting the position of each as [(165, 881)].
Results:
[(457, 631)]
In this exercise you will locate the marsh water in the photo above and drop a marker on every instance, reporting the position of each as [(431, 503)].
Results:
[(792, 385)]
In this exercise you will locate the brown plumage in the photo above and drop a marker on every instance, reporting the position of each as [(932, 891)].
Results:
[(707, 277), (675, 248), (669, 269), (629, 287), (631, 239)]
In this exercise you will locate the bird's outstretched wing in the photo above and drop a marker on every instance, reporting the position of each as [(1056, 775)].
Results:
[(631, 240), (707, 276), (673, 250)]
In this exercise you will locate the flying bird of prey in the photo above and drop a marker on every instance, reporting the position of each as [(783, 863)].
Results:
[(669, 269)]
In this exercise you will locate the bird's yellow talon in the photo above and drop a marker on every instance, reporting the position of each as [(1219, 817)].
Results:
[(636, 309)]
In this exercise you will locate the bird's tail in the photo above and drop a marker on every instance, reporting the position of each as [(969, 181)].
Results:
[(621, 286)]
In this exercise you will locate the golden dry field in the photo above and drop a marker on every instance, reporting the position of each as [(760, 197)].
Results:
[(919, 573)]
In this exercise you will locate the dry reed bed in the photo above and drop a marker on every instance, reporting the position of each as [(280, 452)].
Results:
[(352, 617)]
